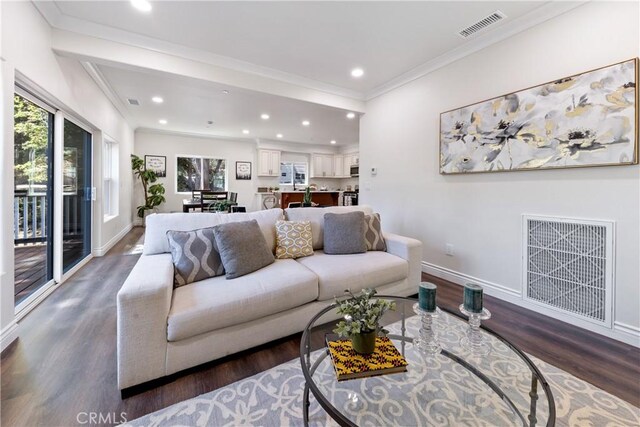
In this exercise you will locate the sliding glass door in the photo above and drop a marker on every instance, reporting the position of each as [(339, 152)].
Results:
[(76, 201), (52, 196), (33, 197)]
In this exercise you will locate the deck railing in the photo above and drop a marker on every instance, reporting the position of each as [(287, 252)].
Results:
[(30, 218)]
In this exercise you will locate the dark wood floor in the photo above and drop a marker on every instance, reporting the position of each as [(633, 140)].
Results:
[(65, 360)]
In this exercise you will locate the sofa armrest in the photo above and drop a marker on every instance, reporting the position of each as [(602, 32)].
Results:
[(410, 250), (143, 308)]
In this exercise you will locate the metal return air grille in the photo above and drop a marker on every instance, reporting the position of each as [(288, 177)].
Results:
[(567, 266)]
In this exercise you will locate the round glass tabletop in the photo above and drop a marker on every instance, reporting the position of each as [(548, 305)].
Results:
[(454, 386)]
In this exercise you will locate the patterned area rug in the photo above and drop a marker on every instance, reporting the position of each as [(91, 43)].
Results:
[(452, 395)]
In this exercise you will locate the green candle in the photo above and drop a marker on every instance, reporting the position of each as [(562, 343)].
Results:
[(427, 296), (473, 298)]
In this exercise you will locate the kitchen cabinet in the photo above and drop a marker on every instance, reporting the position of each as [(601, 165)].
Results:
[(338, 166), (322, 166), (332, 165), (268, 163), (350, 159)]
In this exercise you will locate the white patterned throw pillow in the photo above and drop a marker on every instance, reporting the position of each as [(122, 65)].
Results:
[(373, 233), (293, 239)]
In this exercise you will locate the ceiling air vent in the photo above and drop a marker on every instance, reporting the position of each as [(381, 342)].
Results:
[(482, 24), (133, 101)]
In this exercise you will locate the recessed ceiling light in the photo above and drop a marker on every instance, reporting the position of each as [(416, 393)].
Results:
[(306, 123), (141, 5), (333, 141), (245, 131), (279, 135), (357, 72), (225, 92), (162, 121), (264, 116), (351, 115), (157, 99)]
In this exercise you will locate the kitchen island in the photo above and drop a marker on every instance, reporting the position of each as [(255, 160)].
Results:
[(322, 198)]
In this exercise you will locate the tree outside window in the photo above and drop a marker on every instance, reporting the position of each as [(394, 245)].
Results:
[(197, 173)]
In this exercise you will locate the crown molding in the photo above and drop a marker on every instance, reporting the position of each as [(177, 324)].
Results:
[(50, 11), (517, 25), (57, 19), (97, 76)]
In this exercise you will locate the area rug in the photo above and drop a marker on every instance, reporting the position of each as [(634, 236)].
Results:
[(275, 397)]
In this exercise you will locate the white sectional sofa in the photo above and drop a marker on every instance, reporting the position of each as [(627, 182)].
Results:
[(162, 330)]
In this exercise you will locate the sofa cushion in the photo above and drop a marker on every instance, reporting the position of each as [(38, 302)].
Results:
[(217, 303), (336, 273), (344, 233), (316, 217), (157, 225), (195, 255), (242, 247), (293, 239), (373, 233)]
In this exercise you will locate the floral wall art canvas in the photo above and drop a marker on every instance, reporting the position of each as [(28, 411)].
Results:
[(590, 119)]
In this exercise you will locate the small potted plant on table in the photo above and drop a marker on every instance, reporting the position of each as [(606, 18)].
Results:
[(362, 316)]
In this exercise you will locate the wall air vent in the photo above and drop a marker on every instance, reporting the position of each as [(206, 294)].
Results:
[(133, 101), (482, 24), (568, 266)]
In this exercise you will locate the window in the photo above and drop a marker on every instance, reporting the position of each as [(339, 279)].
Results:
[(200, 173), (291, 172), (110, 180)]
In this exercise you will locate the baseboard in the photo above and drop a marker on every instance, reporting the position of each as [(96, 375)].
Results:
[(111, 243), (137, 222), (8, 335), (621, 332), (34, 299), (491, 288)]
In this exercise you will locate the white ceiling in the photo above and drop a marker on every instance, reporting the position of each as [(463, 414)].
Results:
[(309, 45), (190, 103), (318, 41)]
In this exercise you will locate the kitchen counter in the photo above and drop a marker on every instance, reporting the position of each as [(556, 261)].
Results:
[(322, 198)]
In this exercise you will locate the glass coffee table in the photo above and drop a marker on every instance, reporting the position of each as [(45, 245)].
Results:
[(453, 387)]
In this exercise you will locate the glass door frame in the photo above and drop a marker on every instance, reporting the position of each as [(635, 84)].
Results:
[(59, 116), (24, 93), (59, 275)]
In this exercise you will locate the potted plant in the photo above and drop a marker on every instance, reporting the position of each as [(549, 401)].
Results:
[(153, 193), (306, 200), (362, 315)]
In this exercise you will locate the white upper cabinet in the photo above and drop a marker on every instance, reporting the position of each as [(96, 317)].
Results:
[(338, 165), (322, 166), (268, 163)]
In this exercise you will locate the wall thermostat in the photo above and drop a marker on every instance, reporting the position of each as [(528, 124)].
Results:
[(374, 171)]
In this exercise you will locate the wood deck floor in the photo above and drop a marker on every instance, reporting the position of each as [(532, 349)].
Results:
[(30, 269)]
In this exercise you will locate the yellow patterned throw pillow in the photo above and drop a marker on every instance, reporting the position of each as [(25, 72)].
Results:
[(293, 239)]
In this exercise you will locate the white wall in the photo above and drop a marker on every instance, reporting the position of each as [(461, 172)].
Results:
[(172, 145), (481, 214), (26, 51)]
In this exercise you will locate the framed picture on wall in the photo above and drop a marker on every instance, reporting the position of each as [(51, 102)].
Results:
[(243, 170), (158, 164), (588, 119)]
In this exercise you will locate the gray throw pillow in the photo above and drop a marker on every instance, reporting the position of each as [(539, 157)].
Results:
[(243, 248), (195, 255), (373, 233), (344, 233)]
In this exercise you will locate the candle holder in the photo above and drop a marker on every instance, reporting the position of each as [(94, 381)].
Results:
[(474, 340), (427, 342)]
